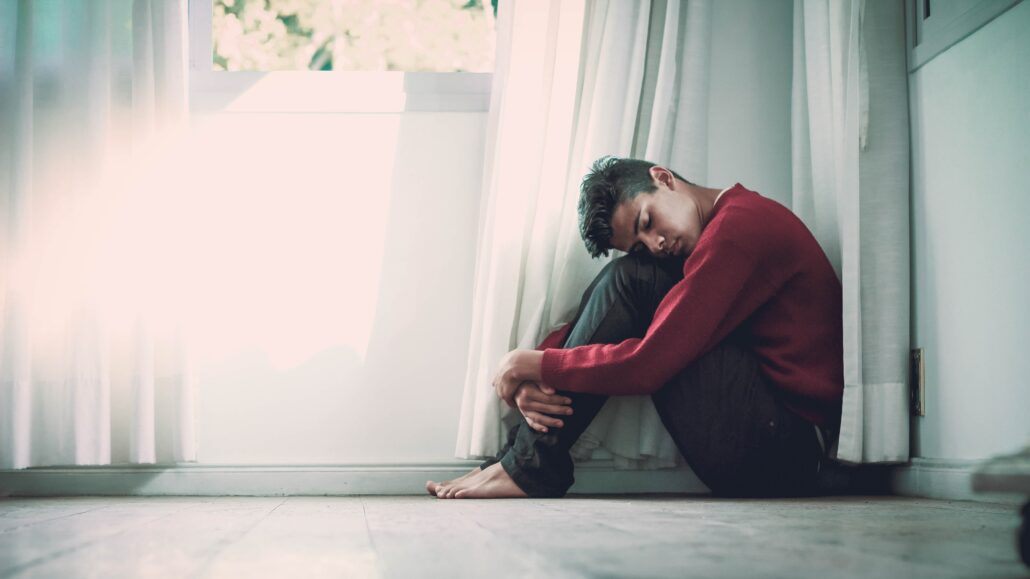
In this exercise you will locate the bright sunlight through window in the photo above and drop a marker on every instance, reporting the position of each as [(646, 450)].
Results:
[(353, 35)]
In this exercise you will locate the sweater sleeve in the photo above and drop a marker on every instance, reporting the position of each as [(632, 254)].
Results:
[(721, 287), (556, 338)]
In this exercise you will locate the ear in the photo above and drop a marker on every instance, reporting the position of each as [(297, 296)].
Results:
[(662, 176)]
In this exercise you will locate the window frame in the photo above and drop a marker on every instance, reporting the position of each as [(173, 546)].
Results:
[(947, 24), (309, 91)]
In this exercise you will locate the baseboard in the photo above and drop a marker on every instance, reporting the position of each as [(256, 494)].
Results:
[(924, 477), (320, 480), (947, 479)]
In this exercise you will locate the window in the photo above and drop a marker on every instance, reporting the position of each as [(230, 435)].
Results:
[(935, 25), (406, 35), (340, 56)]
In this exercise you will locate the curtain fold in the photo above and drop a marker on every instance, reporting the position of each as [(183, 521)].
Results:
[(90, 373), (538, 54), (851, 187), (574, 81)]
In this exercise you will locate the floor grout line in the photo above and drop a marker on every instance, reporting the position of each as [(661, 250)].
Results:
[(52, 519), (368, 533), (226, 542), (53, 556)]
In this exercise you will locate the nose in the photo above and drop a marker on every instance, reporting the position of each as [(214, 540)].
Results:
[(656, 244)]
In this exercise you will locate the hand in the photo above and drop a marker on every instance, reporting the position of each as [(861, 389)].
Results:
[(534, 400), (516, 367)]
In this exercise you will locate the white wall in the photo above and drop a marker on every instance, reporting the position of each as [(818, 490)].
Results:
[(970, 115), (749, 96), (356, 317)]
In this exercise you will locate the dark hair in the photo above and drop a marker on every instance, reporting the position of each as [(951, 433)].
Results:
[(611, 181)]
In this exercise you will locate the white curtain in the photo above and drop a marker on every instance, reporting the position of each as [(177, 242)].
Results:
[(851, 187), (93, 367), (574, 81)]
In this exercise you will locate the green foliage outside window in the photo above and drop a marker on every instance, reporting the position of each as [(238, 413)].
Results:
[(369, 35)]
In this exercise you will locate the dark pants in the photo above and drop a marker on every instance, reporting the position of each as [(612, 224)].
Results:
[(726, 420)]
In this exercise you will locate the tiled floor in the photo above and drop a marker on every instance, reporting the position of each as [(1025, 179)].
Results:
[(609, 536)]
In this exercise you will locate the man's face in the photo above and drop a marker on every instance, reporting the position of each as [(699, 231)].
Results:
[(665, 223)]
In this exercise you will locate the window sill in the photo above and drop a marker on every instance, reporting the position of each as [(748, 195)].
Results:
[(338, 92)]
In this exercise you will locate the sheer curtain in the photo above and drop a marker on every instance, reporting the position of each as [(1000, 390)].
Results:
[(850, 171), (574, 81), (94, 368)]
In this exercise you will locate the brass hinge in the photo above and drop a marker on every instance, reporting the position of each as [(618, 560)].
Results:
[(917, 384)]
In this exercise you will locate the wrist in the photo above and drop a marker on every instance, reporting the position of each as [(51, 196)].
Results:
[(529, 366)]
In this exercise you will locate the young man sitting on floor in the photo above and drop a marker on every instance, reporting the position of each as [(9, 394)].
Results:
[(725, 310)]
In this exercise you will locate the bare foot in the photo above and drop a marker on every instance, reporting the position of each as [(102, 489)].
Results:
[(492, 483), (448, 489), (432, 487)]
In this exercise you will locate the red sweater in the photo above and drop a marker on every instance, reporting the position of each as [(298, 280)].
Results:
[(756, 276)]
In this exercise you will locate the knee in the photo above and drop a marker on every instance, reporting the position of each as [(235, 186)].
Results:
[(621, 272), (642, 272)]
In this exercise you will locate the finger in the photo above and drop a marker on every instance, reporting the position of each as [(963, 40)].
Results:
[(548, 399), (548, 408), (543, 419), (536, 424), (537, 427), (556, 399), (547, 389)]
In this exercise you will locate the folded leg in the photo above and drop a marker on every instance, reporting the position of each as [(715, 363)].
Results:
[(618, 305), (735, 431)]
